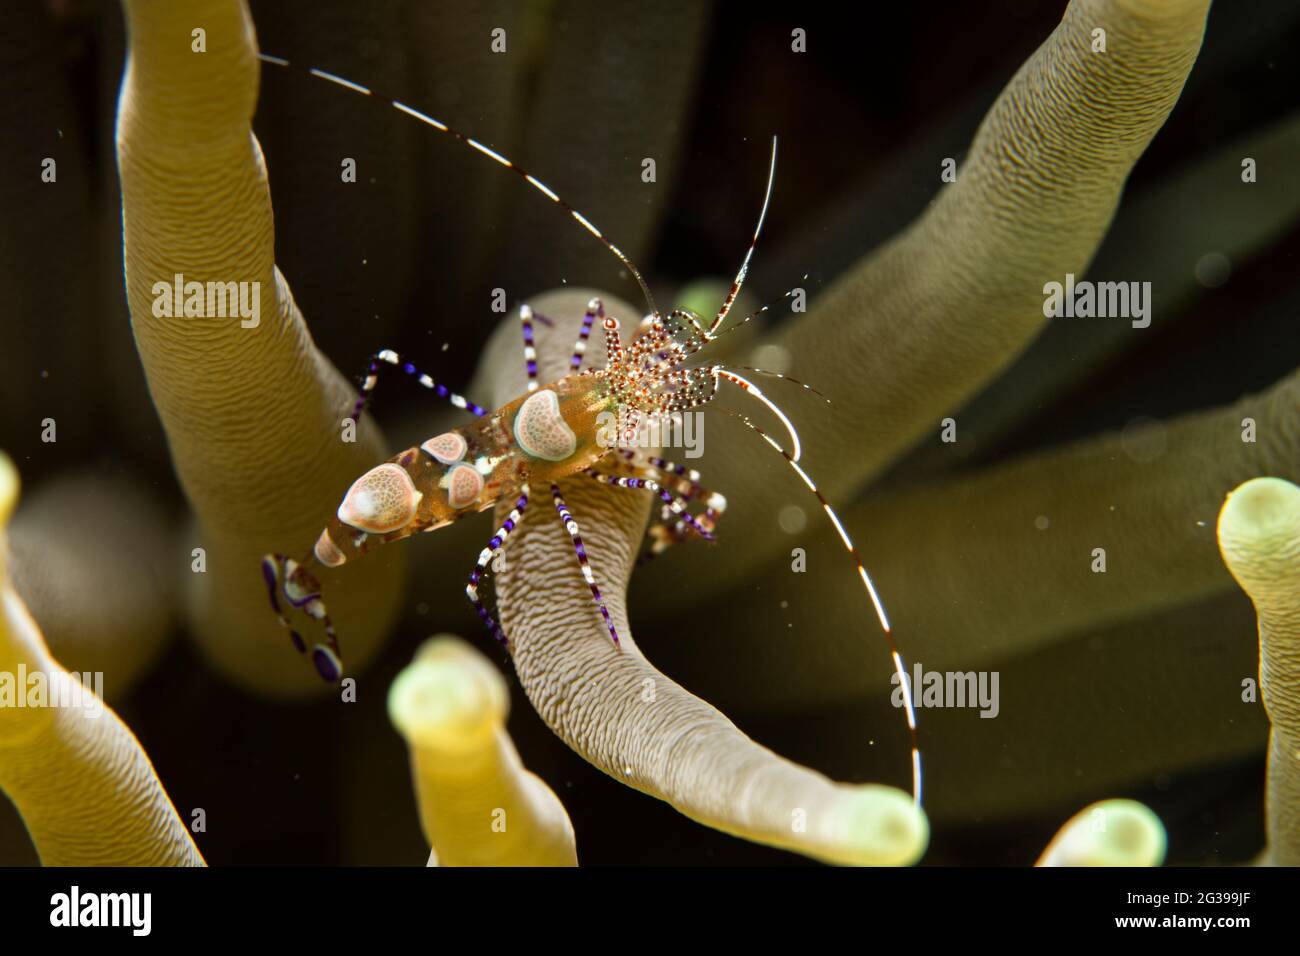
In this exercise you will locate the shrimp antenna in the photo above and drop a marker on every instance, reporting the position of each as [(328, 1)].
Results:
[(900, 671), (491, 154), (780, 375), (737, 282), (788, 293), (757, 393)]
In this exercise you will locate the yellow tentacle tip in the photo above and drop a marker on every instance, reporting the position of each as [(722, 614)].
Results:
[(1109, 833), (9, 485), (449, 698), (1259, 526), (875, 825)]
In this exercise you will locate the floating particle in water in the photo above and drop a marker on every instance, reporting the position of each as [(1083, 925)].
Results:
[(1143, 439), (792, 519), (773, 358), (1212, 270), (1041, 523)]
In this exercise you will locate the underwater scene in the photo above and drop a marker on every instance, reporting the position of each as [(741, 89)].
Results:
[(801, 435)]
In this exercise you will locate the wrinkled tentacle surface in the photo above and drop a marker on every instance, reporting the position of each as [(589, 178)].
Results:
[(81, 781), (615, 709), (1147, 496), (253, 415), (917, 327), (1259, 535)]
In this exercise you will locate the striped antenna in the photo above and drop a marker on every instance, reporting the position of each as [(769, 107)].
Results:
[(781, 375), (486, 151), (899, 669), (757, 393), (766, 307), (737, 282)]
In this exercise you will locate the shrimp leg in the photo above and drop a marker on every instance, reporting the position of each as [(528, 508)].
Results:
[(485, 556), (387, 357), (675, 519), (676, 516), (588, 575)]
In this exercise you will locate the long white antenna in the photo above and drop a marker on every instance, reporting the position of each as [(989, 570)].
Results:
[(737, 282)]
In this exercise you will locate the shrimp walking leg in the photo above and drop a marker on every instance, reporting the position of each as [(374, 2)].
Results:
[(485, 557), (386, 358)]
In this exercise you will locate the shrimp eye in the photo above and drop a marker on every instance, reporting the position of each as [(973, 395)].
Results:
[(384, 499)]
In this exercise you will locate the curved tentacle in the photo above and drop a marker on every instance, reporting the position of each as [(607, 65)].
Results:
[(252, 410)]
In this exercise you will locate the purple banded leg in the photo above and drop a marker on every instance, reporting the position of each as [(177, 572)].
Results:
[(389, 357), (571, 526), (674, 524), (530, 347), (673, 503), (689, 487), (485, 556), (272, 574), (689, 477), (300, 589), (595, 310)]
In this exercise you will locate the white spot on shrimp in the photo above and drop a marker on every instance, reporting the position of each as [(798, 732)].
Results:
[(327, 552), (447, 448), (384, 499), (464, 485), (540, 428)]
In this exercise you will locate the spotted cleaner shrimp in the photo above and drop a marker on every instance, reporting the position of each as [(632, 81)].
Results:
[(551, 432)]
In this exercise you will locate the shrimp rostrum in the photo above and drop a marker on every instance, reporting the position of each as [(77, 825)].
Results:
[(551, 432)]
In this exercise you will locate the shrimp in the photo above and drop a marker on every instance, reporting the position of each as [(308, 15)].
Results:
[(552, 432)]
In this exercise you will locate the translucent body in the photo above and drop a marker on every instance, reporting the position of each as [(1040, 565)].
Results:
[(518, 443)]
